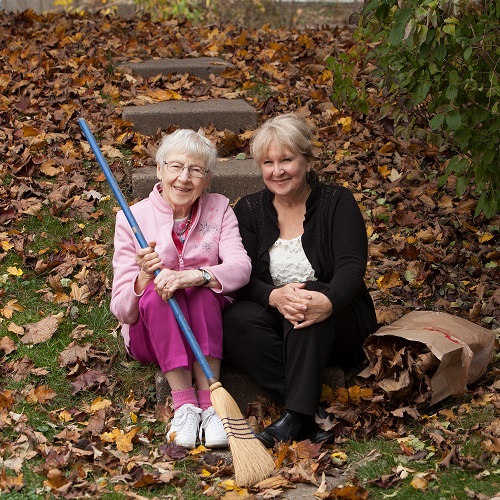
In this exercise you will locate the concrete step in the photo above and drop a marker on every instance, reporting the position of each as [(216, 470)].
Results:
[(242, 388), (202, 67), (232, 114), (232, 178)]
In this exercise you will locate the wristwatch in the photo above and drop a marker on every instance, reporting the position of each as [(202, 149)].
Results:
[(206, 276)]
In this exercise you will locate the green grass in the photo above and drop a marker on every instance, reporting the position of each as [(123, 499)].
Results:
[(443, 484)]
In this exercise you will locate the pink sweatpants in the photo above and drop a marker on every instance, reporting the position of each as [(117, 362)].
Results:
[(157, 338)]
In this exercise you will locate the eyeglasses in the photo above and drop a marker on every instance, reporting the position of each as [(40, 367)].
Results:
[(193, 170)]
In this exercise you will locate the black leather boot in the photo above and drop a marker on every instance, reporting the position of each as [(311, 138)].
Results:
[(286, 428), (317, 434)]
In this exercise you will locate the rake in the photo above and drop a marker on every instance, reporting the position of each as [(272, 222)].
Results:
[(252, 462)]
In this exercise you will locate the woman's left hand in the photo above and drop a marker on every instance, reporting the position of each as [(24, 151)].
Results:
[(168, 281), (306, 307)]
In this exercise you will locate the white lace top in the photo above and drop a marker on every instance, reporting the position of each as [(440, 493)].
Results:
[(288, 262)]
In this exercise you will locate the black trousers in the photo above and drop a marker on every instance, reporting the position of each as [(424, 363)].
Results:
[(290, 363)]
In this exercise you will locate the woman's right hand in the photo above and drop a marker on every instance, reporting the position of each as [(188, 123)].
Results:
[(148, 260), (280, 298)]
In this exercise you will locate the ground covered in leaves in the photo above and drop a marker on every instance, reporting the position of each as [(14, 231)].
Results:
[(94, 432)]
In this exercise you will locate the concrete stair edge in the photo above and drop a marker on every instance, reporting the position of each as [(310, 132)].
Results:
[(201, 67), (235, 115), (243, 389)]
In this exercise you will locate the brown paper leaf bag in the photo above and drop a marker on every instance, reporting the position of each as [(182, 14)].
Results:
[(462, 348)]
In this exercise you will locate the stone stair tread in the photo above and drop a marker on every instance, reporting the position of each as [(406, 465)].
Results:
[(232, 178), (235, 115), (242, 388), (201, 67)]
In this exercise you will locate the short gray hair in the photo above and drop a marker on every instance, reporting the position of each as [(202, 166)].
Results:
[(288, 131), (191, 143)]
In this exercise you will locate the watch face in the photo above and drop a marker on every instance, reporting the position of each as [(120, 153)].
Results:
[(206, 275)]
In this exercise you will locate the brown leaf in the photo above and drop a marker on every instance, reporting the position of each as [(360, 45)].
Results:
[(88, 381), (7, 345), (42, 330), (73, 353)]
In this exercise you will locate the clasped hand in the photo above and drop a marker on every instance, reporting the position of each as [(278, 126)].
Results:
[(300, 306), (167, 281)]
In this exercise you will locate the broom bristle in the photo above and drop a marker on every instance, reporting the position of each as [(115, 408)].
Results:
[(252, 462)]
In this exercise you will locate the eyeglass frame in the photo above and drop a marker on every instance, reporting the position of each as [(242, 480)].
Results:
[(189, 167)]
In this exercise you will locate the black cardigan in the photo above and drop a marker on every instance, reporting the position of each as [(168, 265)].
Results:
[(334, 241)]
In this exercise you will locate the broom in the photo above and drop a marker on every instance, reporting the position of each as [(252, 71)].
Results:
[(252, 462)]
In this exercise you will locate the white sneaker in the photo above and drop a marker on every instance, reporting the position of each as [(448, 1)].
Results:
[(211, 426), (184, 426)]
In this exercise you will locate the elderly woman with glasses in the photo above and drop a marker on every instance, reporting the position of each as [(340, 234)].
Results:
[(194, 242)]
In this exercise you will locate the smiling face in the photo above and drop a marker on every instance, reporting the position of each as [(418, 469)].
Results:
[(180, 190), (284, 172)]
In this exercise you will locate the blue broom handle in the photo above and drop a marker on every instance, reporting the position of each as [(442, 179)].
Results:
[(181, 320)]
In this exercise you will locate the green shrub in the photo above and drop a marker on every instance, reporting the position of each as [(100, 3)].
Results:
[(437, 66)]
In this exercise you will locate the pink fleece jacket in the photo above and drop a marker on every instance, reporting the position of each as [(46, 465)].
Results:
[(213, 243)]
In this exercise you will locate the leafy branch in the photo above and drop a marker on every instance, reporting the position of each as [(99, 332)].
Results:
[(436, 67)]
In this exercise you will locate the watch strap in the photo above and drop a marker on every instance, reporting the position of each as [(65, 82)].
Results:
[(206, 276)]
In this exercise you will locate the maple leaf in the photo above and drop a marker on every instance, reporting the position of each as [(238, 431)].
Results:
[(88, 380), (20, 368), (173, 450), (6, 400), (56, 480), (73, 353), (41, 394), (124, 442), (10, 483), (11, 306), (95, 425)]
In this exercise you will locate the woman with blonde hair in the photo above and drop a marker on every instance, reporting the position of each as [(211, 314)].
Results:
[(306, 305)]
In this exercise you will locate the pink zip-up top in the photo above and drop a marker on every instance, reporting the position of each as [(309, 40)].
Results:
[(213, 243)]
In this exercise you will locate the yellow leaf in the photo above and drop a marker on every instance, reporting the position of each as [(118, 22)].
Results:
[(346, 124), (199, 450), (205, 473), (130, 398), (65, 416), (6, 245), (111, 437), (133, 417), (485, 237), (100, 403), (340, 153), (229, 485), (15, 271), (339, 456)]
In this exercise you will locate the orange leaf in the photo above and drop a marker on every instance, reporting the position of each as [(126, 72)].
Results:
[(124, 443), (10, 307)]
